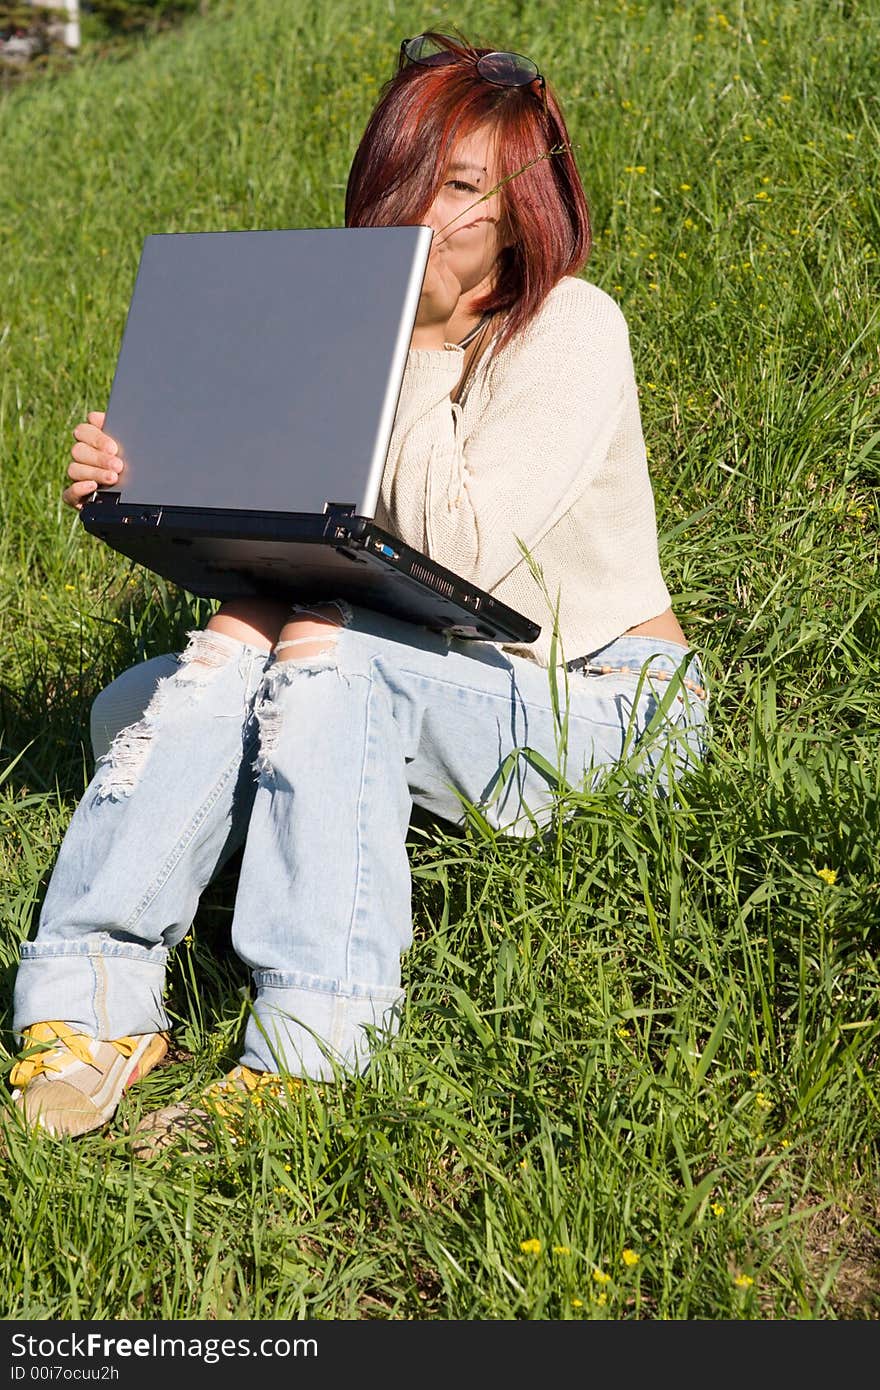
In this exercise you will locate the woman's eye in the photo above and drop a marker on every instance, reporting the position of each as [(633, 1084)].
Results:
[(461, 187)]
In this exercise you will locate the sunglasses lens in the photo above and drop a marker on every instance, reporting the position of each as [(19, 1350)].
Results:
[(507, 69), (426, 52)]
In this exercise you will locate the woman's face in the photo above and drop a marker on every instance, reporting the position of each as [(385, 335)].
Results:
[(471, 232)]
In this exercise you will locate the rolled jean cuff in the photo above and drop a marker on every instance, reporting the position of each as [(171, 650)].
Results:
[(318, 1029), (105, 994)]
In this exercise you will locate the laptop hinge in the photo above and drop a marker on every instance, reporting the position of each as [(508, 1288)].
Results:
[(339, 509)]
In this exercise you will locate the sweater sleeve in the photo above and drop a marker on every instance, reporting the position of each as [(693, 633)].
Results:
[(555, 401)]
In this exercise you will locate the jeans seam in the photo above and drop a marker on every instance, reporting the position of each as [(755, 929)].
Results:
[(357, 904), (174, 858)]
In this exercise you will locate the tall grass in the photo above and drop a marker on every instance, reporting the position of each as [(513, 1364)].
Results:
[(636, 1077)]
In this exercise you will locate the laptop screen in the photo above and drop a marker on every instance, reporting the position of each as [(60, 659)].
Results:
[(261, 370)]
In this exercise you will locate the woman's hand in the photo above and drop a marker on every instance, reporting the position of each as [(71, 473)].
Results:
[(441, 291), (95, 460)]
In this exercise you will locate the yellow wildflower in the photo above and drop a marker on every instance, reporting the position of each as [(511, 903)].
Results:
[(684, 188), (829, 875), (601, 1277), (762, 1102), (743, 1281), (718, 1208), (561, 1250), (601, 1299), (577, 1303), (530, 1247), (630, 1258), (785, 96)]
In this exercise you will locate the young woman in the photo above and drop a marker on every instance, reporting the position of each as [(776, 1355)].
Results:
[(307, 736)]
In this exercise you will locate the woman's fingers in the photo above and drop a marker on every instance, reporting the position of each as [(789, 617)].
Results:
[(94, 460), (88, 464), (90, 433), (76, 494)]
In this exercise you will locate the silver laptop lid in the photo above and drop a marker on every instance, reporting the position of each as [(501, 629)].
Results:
[(261, 370)]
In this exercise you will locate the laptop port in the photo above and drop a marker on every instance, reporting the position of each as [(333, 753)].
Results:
[(384, 549)]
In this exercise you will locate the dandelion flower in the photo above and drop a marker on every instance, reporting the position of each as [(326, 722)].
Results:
[(630, 1258), (684, 188), (530, 1247)]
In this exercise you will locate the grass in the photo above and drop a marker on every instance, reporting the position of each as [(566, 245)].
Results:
[(637, 1074)]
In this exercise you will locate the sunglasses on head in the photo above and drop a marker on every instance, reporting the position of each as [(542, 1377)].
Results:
[(499, 68)]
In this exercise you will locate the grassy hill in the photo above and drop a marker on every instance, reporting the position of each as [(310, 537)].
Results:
[(636, 1073)]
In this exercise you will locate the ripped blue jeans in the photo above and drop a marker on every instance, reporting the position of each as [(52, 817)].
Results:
[(313, 765)]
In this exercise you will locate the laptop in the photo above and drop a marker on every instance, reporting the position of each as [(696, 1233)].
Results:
[(253, 402)]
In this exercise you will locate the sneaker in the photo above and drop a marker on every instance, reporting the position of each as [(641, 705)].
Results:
[(68, 1083), (231, 1100)]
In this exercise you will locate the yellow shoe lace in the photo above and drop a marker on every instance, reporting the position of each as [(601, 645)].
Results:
[(47, 1055), (242, 1086)]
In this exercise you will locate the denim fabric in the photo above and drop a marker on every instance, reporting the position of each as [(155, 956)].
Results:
[(314, 765)]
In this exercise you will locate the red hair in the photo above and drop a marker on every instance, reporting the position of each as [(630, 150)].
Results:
[(429, 108)]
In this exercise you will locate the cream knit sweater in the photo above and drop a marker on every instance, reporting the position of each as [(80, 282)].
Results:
[(546, 447)]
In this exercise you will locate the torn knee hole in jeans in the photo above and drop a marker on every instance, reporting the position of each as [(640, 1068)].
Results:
[(314, 653), (270, 714), (123, 763), (303, 610), (317, 641), (321, 636), (205, 652)]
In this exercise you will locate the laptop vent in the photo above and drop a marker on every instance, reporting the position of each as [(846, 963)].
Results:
[(426, 576)]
